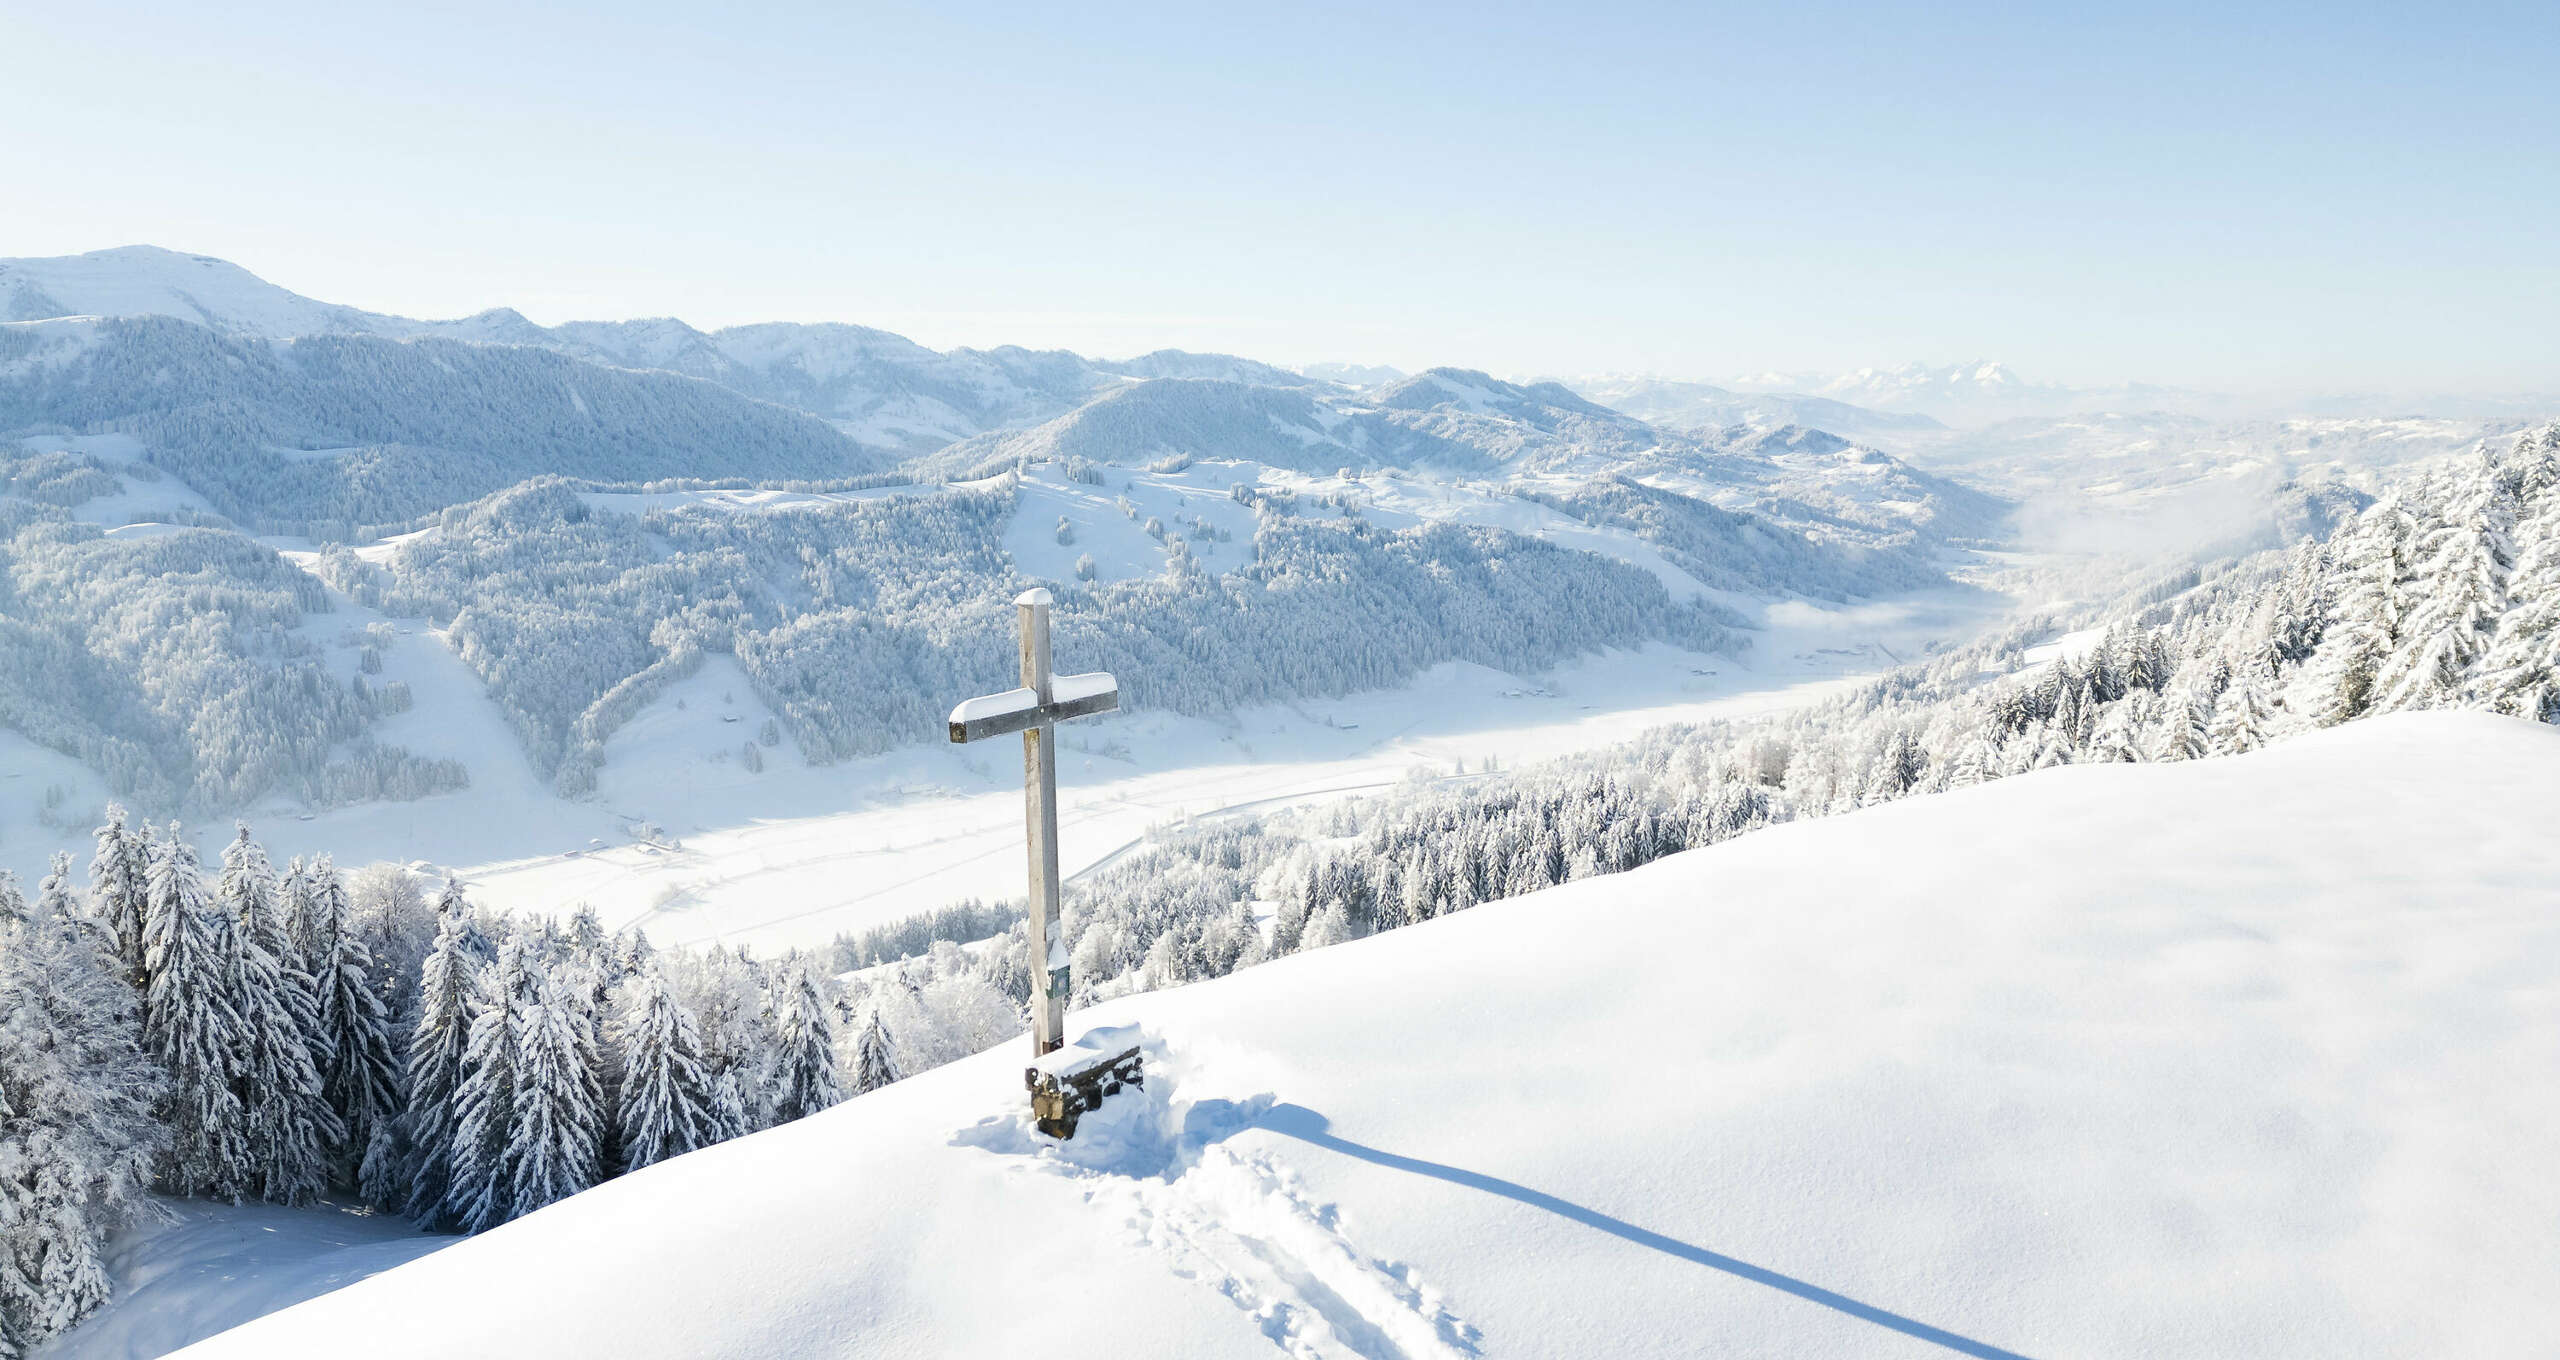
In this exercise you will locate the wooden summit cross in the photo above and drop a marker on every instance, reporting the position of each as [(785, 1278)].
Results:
[(1035, 710), (1063, 1085)]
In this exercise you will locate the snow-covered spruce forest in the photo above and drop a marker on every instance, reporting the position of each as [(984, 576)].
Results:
[(238, 1032), (857, 620), (335, 436), (175, 665)]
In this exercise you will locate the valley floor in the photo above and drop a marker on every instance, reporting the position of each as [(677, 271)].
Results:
[(685, 841), (2238, 1057)]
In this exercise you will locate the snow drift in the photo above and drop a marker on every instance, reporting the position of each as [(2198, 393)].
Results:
[(2233, 1057)]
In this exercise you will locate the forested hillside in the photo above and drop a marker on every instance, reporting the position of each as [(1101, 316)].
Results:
[(175, 663), (323, 435), (1203, 418), (861, 619)]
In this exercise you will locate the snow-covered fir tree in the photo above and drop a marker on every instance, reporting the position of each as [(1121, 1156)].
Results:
[(56, 897), (665, 1106), (293, 1134), (804, 1071), (79, 1134), (118, 888), (2463, 560), (729, 1117), (439, 1049), (192, 1025), (2521, 672), (874, 1065), (555, 1144), (482, 1193), (360, 1072)]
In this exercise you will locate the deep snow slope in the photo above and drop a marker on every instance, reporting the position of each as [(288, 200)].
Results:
[(2242, 1057)]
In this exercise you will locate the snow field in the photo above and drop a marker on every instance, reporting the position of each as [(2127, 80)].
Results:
[(2221, 1057)]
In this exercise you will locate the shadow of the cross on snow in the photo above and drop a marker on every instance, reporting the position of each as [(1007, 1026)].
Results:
[(1307, 1126)]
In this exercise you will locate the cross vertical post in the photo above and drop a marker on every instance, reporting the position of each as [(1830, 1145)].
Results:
[(1044, 700), (1040, 822)]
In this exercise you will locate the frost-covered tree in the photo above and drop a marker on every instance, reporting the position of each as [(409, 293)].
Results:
[(726, 992), (292, 1132), (56, 898), (192, 1025), (2463, 558), (78, 1135), (2184, 730), (874, 1062), (2369, 586), (297, 912), (729, 1117), (439, 1048), (804, 1076), (555, 1144), (2521, 672), (359, 1063), (1330, 924), (118, 888), (1898, 770), (666, 1096), (482, 1193)]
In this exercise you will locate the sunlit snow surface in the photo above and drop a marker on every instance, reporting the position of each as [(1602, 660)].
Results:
[(2239, 1057)]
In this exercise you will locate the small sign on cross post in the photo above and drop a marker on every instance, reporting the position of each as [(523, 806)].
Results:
[(1034, 710)]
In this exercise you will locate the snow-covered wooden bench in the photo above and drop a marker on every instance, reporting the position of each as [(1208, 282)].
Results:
[(1067, 1083)]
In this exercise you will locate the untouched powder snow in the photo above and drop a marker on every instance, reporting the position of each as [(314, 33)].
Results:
[(214, 1266), (2241, 1057)]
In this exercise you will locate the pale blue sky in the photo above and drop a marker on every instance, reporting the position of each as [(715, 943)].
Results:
[(2222, 195)]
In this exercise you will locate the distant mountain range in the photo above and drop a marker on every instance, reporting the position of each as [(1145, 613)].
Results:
[(286, 411), (173, 427), (1986, 392), (884, 391)]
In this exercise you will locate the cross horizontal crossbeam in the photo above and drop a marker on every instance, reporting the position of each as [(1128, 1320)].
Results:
[(1018, 710)]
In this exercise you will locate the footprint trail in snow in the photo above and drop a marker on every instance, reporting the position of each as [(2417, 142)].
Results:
[(1239, 1222)]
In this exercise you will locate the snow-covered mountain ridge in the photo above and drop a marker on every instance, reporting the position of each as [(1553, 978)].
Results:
[(2098, 1060), (889, 392)]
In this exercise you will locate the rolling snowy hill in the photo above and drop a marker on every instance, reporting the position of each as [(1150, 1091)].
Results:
[(1703, 406), (2228, 1057), (149, 281)]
